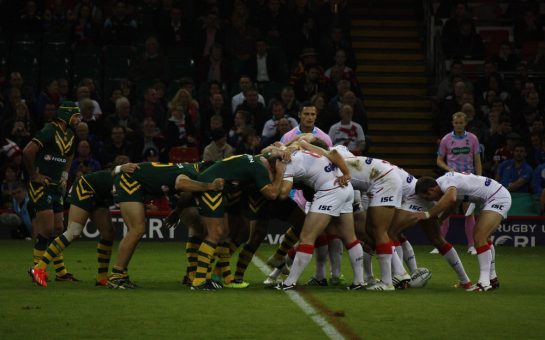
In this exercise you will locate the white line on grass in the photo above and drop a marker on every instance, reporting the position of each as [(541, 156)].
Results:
[(328, 329)]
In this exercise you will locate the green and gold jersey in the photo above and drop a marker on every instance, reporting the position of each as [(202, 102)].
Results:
[(152, 176), (98, 184), (238, 170), (56, 146)]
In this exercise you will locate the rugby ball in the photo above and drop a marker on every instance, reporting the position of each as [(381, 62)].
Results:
[(420, 277)]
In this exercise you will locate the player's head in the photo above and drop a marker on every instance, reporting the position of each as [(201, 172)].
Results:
[(427, 188), (320, 143), (307, 116), (69, 113)]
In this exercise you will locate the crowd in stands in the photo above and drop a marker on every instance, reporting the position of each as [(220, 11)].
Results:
[(223, 77), (503, 100)]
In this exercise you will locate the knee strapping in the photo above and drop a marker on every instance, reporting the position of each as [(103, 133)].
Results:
[(75, 229)]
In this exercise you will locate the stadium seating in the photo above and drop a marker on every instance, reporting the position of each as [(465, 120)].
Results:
[(182, 154), (180, 63), (86, 63), (493, 36)]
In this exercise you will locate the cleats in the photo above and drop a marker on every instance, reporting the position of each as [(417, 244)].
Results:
[(479, 287), (66, 277), (271, 281), (282, 286), (370, 282), (471, 251), (186, 281), (465, 286), (401, 281), (121, 283), (216, 284), (315, 282), (39, 276), (495, 283), (434, 251), (381, 286), (337, 281), (102, 283), (356, 287), (205, 286), (275, 262), (237, 284)]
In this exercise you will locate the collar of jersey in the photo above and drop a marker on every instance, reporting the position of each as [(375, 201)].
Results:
[(455, 136)]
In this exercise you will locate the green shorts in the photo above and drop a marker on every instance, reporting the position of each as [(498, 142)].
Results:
[(127, 189), (46, 197), (212, 204), (82, 196)]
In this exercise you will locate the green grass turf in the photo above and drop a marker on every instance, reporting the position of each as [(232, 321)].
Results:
[(163, 308)]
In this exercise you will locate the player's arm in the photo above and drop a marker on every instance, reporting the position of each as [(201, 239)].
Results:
[(29, 158), (447, 201), (333, 155), (272, 191), (442, 164), (184, 183), (285, 188), (126, 168)]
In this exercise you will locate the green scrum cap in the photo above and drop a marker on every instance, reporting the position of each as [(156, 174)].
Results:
[(66, 111)]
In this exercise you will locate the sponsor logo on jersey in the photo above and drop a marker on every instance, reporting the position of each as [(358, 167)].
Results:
[(49, 158), (461, 150), (330, 167)]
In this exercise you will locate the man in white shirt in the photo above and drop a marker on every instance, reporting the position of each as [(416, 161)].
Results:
[(245, 83), (347, 132)]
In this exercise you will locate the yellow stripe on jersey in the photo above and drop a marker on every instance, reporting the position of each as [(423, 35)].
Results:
[(129, 186), (256, 204), (82, 192), (36, 194), (63, 143), (213, 202)]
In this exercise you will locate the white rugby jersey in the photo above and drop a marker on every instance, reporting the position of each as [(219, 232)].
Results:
[(315, 171), (365, 171), (408, 181), (469, 186), (343, 151)]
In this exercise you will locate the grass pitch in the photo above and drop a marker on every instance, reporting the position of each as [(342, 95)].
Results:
[(164, 308)]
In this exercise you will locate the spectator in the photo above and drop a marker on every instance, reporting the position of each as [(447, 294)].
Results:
[(117, 146), (538, 186), (469, 44), (348, 133), (84, 30), (184, 101), (307, 57), (57, 18), (359, 113), (217, 107), (516, 174), (120, 28), (20, 127), (283, 126), (505, 59), (306, 35), (331, 43), (257, 114), (82, 93), (291, 105), (537, 153), (236, 134), (245, 83), (345, 71), (528, 28), (214, 67), (150, 137), (274, 24), (251, 143), (451, 29), (309, 85), (506, 151), (180, 130), (87, 109), (150, 154), (149, 107), (267, 65), (109, 104), (122, 117), (151, 65), (83, 162), (325, 117), (218, 148), (209, 33), (26, 92), (30, 21), (50, 95), (538, 62), (214, 123), (10, 179), (176, 31), (83, 133), (270, 128), (19, 204)]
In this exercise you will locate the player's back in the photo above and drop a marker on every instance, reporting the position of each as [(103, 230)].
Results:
[(365, 170), (469, 186), (313, 170), (152, 175), (101, 182)]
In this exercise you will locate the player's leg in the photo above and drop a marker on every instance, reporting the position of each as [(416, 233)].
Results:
[(195, 233), (353, 246), (315, 224), (380, 218), (432, 229), (134, 216), (487, 223), (469, 226), (103, 221)]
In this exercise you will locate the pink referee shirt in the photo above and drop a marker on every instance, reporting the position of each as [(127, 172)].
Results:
[(459, 151), (296, 131)]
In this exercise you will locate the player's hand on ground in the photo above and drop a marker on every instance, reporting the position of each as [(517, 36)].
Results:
[(217, 184), (129, 167), (343, 180), (39, 178)]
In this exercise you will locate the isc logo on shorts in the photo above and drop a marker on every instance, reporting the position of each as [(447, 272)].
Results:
[(324, 207), (415, 207), (497, 206), (387, 199)]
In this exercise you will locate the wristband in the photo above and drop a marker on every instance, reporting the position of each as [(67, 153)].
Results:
[(427, 214), (64, 176), (117, 170)]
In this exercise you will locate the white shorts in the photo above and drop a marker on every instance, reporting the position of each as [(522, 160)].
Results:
[(386, 191), (333, 202), (500, 202), (413, 203)]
